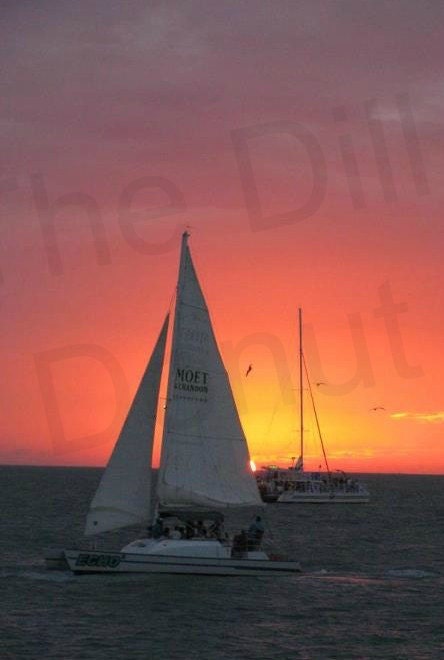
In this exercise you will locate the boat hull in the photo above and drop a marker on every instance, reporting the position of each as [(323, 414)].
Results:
[(55, 560), (322, 498), (290, 486), (86, 562)]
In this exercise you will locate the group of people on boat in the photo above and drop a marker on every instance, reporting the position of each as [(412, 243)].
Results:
[(189, 530), (316, 483), (248, 541), (243, 542)]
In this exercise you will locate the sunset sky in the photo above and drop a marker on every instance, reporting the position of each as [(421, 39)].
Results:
[(300, 142)]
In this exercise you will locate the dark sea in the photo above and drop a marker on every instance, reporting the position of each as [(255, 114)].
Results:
[(372, 584)]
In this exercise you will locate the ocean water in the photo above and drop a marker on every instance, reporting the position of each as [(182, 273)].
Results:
[(372, 584)]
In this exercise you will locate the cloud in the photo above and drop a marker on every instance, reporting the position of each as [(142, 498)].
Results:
[(432, 417)]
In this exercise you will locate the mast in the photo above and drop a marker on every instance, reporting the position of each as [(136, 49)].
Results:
[(302, 370), (301, 390), (171, 375)]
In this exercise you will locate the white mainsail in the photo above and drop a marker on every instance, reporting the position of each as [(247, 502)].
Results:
[(123, 497), (205, 460)]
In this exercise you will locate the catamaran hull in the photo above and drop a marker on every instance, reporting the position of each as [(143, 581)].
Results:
[(322, 498), (81, 562), (55, 560)]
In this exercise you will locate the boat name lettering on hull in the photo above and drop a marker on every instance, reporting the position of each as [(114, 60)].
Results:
[(101, 561)]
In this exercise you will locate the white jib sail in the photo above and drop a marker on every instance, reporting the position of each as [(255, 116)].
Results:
[(123, 497), (205, 460)]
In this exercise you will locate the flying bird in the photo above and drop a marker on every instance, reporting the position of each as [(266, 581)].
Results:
[(250, 367), (378, 408), (320, 383)]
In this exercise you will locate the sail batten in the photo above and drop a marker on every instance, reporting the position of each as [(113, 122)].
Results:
[(123, 497)]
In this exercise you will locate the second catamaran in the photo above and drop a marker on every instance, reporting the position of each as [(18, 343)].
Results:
[(294, 484)]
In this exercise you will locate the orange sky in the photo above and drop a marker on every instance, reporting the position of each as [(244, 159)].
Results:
[(146, 122)]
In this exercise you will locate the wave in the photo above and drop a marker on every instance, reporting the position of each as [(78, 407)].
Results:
[(411, 573), (36, 572)]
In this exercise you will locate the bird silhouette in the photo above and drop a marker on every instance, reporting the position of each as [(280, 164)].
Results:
[(250, 367), (320, 383), (378, 408)]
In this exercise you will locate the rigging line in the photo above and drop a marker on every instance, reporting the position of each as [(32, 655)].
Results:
[(171, 304), (273, 415), (315, 414)]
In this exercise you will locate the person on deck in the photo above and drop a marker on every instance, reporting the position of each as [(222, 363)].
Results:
[(240, 545), (157, 529), (216, 530), (255, 533), (200, 529)]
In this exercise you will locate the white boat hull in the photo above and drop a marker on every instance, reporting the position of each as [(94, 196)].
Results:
[(196, 557), (81, 562), (323, 498), (289, 486)]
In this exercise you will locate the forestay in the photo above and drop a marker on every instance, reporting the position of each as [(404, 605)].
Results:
[(205, 460), (124, 493)]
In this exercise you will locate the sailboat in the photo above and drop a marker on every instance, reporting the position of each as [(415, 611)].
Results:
[(293, 484), (204, 467)]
